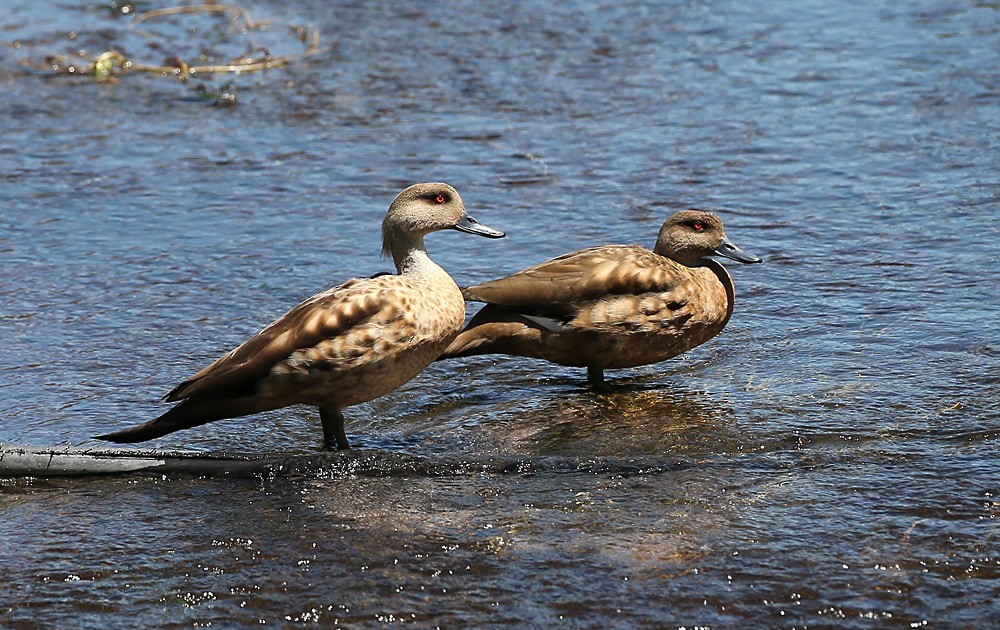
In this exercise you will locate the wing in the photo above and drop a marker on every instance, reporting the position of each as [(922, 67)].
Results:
[(321, 317), (556, 288)]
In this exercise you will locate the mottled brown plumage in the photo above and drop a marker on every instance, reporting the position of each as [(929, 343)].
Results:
[(613, 306), (347, 345)]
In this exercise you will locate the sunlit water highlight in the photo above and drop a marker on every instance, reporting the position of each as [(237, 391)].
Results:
[(830, 459)]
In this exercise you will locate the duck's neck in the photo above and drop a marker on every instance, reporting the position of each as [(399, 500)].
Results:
[(676, 254), (411, 257), (722, 274)]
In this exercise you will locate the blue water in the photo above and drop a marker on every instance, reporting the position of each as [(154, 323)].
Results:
[(830, 459)]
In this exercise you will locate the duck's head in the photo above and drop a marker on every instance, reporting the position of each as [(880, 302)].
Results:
[(424, 208), (691, 235)]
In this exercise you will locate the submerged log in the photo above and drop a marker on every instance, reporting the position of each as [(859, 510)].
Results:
[(68, 461)]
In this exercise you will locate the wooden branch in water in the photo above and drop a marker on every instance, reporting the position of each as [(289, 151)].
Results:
[(67, 461), (235, 12), (109, 65), (62, 461)]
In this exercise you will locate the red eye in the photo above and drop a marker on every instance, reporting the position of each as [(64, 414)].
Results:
[(439, 199), (698, 226)]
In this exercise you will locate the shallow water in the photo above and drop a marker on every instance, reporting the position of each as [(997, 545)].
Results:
[(830, 459)]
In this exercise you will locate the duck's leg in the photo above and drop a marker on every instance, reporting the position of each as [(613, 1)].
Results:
[(595, 377), (333, 428)]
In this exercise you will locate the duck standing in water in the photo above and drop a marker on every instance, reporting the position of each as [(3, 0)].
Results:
[(350, 344), (613, 306)]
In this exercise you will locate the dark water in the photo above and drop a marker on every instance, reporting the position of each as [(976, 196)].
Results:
[(831, 459)]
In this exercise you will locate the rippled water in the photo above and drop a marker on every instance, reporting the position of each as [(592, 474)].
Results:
[(830, 459)]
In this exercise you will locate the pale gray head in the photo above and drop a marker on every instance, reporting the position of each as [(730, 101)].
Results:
[(424, 208), (691, 235)]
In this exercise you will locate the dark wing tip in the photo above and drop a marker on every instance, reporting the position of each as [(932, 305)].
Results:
[(121, 437), (138, 433), (470, 295)]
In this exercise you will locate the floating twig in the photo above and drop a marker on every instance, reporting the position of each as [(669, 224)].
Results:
[(111, 64)]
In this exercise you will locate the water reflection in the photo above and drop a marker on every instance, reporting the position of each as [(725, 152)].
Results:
[(830, 458), (665, 418)]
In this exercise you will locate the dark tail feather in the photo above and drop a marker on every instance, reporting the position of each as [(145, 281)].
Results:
[(190, 413), (468, 343), (494, 330), (470, 339)]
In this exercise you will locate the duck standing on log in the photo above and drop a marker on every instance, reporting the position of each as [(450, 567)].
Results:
[(350, 344)]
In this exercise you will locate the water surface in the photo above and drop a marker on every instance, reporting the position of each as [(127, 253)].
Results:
[(830, 459)]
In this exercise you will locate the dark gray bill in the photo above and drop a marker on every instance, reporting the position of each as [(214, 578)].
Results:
[(728, 250), (470, 225)]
